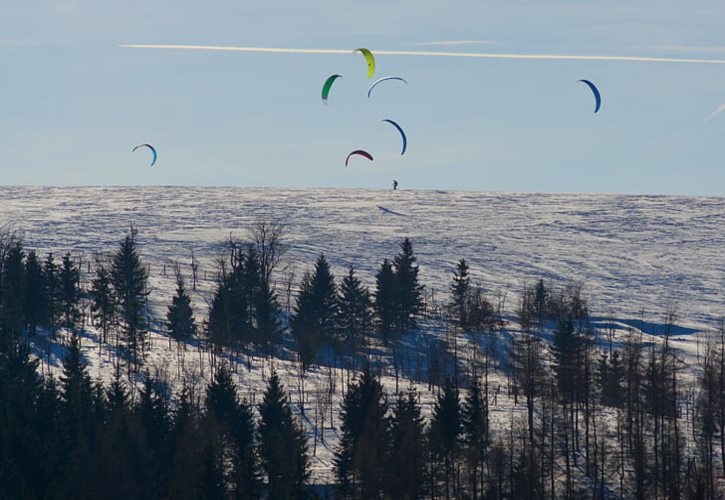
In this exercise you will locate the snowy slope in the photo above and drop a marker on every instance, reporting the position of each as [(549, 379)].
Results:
[(635, 254)]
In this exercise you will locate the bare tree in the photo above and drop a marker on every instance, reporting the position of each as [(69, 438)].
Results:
[(268, 238)]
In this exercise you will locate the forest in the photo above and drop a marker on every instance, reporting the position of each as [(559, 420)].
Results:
[(529, 399)]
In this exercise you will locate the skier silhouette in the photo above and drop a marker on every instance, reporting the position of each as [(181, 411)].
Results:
[(395, 185)]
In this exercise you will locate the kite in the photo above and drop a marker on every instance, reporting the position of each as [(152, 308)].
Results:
[(597, 95), (359, 152), (382, 80), (153, 152), (402, 134), (327, 86), (370, 59)]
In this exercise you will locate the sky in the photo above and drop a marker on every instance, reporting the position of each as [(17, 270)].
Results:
[(73, 102)]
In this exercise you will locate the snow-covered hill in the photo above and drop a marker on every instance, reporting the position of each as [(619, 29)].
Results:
[(635, 255)]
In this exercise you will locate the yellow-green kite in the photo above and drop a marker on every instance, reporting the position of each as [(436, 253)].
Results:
[(370, 59)]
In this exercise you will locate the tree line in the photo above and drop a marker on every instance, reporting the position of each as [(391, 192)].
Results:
[(589, 415)]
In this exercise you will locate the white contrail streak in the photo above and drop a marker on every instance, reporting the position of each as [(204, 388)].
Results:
[(480, 55), (719, 110)]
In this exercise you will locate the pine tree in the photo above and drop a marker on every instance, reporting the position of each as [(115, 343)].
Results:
[(77, 393), (353, 315), (34, 301), (266, 316), (283, 446), (70, 293), (304, 325), (407, 450), (409, 291), (250, 286), (53, 304), (229, 313), (103, 303), (360, 456), (475, 426), (180, 315), (460, 294), (385, 301), (13, 292), (153, 413), (324, 298), (233, 432), (315, 312), (445, 433), (129, 278)]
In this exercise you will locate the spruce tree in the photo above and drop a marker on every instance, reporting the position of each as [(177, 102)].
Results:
[(315, 312), (233, 435), (409, 291), (53, 304), (385, 301), (475, 426), (153, 413), (129, 277), (103, 303), (324, 298), (34, 301), (304, 325), (13, 292), (360, 456), (407, 450), (445, 433), (353, 315), (70, 293), (283, 447), (180, 315), (77, 393), (268, 333), (460, 294), (228, 323)]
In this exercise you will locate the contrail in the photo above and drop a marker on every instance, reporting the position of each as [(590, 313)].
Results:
[(480, 55), (719, 110)]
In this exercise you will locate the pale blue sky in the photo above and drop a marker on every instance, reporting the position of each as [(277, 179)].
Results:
[(73, 103)]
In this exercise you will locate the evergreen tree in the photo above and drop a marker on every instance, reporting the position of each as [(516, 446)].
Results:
[(232, 436), (315, 312), (324, 298), (385, 301), (475, 426), (360, 456), (180, 315), (103, 303), (76, 392), (20, 453), (445, 435), (283, 447), (409, 291), (304, 325), (460, 294), (609, 378), (34, 301), (353, 315), (250, 286), (266, 316), (13, 292), (153, 413), (226, 312), (53, 305), (129, 278), (407, 450), (541, 298), (70, 293)]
